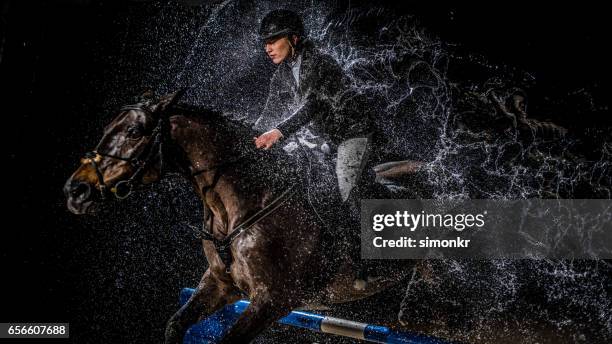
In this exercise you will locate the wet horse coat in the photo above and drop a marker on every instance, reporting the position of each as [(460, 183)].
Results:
[(279, 263)]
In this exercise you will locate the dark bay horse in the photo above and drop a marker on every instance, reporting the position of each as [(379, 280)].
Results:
[(277, 259)]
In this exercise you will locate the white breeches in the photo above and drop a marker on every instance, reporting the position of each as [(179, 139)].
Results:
[(352, 158)]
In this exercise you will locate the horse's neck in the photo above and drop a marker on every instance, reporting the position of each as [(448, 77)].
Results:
[(209, 151)]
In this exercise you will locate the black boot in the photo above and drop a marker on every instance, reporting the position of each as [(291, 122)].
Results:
[(366, 270)]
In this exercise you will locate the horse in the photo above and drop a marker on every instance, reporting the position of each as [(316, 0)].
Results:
[(263, 241)]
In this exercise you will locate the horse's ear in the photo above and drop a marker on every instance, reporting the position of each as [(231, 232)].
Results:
[(146, 96), (167, 101)]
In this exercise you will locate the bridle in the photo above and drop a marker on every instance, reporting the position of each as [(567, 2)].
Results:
[(145, 159), (141, 162), (154, 149)]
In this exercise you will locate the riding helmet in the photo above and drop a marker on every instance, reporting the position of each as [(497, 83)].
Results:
[(280, 23)]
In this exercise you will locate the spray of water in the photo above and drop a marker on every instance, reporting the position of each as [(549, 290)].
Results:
[(475, 143)]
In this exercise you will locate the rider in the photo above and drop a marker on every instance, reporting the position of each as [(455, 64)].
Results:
[(309, 87)]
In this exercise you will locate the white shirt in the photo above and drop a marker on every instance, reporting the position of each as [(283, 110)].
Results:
[(295, 69)]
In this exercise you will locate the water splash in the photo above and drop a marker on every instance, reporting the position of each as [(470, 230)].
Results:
[(472, 147)]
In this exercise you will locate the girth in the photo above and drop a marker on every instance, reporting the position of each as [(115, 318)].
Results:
[(223, 246)]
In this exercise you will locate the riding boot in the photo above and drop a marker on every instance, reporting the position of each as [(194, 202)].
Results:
[(366, 270), (356, 180), (351, 231)]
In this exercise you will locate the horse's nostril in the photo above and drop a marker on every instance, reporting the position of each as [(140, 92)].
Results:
[(80, 190)]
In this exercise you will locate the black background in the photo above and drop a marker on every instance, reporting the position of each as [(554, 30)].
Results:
[(59, 268)]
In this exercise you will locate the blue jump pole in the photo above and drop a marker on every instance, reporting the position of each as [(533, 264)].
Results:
[(211, 329)]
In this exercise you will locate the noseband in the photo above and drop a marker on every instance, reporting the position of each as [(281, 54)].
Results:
[(141, 162)]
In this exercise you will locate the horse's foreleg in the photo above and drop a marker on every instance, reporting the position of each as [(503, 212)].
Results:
[(210, 295), (265, 308)]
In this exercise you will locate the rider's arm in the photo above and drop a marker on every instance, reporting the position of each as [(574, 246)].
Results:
[(313, 106), (319, 99)]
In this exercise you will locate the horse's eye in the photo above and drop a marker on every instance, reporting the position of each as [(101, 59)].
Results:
[(135, 132)]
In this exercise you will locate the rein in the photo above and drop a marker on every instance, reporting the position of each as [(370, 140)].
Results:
[(145, 159), (124, 188), (223, 245)]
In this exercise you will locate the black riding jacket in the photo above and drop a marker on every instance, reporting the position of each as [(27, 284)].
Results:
[(320, 99)]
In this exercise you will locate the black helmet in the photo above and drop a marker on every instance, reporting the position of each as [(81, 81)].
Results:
[(281, 22)]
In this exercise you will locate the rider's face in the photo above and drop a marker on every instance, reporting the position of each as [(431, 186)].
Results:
[(278, 49)]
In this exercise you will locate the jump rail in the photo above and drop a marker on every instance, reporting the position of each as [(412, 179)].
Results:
[(211, 329)]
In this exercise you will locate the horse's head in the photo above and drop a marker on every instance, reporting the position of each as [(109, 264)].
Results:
[(129, 154)]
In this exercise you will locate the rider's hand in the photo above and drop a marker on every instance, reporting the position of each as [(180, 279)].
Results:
[(267, 139)]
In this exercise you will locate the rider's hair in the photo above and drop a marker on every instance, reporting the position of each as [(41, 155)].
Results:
[(295, 48)]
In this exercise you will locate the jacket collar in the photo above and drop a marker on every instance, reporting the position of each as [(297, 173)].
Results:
[(306, 52)]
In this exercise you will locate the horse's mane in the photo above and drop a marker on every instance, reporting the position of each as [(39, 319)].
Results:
[(240, 131), (261, 165), (222, 119)]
